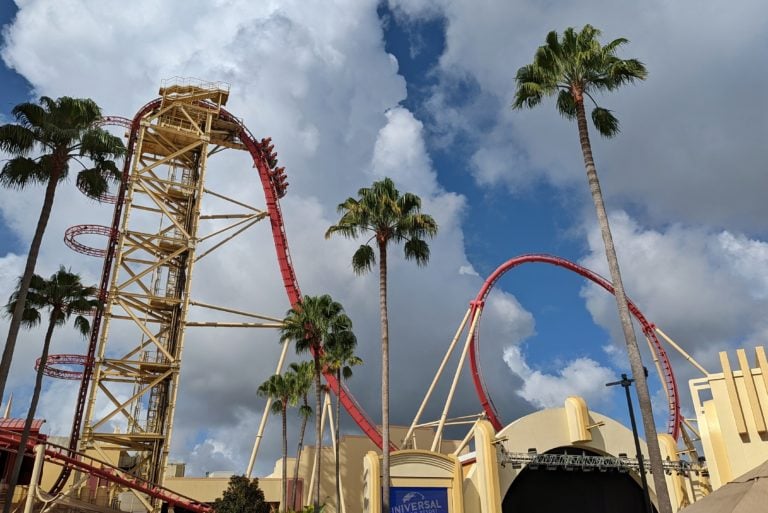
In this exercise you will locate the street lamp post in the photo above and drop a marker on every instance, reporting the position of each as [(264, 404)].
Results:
[(626, 383)]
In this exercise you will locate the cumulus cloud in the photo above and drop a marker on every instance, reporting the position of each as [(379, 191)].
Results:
[(683, 154), (701, 287), (317, 79), (582, 377)]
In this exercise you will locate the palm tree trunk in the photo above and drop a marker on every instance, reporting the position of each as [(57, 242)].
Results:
[(285, 455), (298, 456), (338, 442), (384, 376), (633, 351), (318, 430), (30, 416), (26, 279)]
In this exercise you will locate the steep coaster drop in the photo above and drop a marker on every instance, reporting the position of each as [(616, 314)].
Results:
[(146, 276)]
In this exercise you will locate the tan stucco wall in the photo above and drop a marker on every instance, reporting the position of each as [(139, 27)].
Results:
[(733, 423)]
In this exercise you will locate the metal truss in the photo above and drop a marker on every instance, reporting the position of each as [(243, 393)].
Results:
[(587, 463), (162, 236)]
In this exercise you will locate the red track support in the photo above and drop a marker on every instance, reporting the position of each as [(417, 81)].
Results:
[(648, 329)]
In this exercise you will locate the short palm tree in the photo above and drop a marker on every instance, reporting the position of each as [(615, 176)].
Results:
[(573, 69), (386, 216), (282, 389), (43, 142), (63, 295), (339, 357), (308, 325), (305, 377)]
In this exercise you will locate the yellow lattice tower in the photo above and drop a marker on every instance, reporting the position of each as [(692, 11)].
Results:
[(138, 360)]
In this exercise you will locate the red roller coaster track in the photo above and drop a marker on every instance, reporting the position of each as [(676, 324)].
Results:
[(73, 460), (648, 329), (273, 184), (53, 370)]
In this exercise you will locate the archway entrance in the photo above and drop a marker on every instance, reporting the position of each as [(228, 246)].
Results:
[(558, 490)]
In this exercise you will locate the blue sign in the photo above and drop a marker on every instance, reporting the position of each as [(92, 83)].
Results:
[(418, 500)]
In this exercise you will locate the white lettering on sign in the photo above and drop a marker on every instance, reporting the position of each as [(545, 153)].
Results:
[(432, 506)]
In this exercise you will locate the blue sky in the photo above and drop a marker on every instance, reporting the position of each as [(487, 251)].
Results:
[(420, 90)]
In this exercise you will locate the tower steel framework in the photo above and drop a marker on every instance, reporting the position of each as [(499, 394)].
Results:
[(137, 366), (130, 381)]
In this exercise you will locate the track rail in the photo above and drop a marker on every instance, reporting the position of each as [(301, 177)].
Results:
[(273, 185), (53, 361), (668, 377), (73, 232), (271, 192), (74, 460)]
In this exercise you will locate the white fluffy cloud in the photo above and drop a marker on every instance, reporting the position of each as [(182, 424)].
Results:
[(316, 78), (582, 377), (684, 153), (704, 288)]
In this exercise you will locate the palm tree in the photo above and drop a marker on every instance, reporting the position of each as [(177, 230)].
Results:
[(308, 325), (339, 357), (64, 295), (57, 132), (282, 390), (387, 216), (574, 68), (305, 375)]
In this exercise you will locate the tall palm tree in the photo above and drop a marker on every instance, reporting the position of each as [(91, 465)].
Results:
[(46, 138), (305, 376), (381, 212), (309, 324), (339, 357), (574, 68), (63, 295), (282, 390)]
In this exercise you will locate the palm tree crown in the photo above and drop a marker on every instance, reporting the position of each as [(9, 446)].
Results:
[(387, 216), (310, 324), (64, 295), (391, 217), (575, 67), (46, 137), (59, 131)]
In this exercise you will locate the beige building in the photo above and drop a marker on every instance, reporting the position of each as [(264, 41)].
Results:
[(530, 465)]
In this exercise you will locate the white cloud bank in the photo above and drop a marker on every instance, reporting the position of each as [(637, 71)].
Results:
[(582, 377), (316, 78)]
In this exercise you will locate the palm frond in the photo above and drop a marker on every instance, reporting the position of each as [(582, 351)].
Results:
[(16, 139), (82, 325), (19, 172), (417, 249), (92, 183), (566, 105), (605, 122), (97, 143), (82, 112), (30, 115), (363, 259), (305, 411)]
